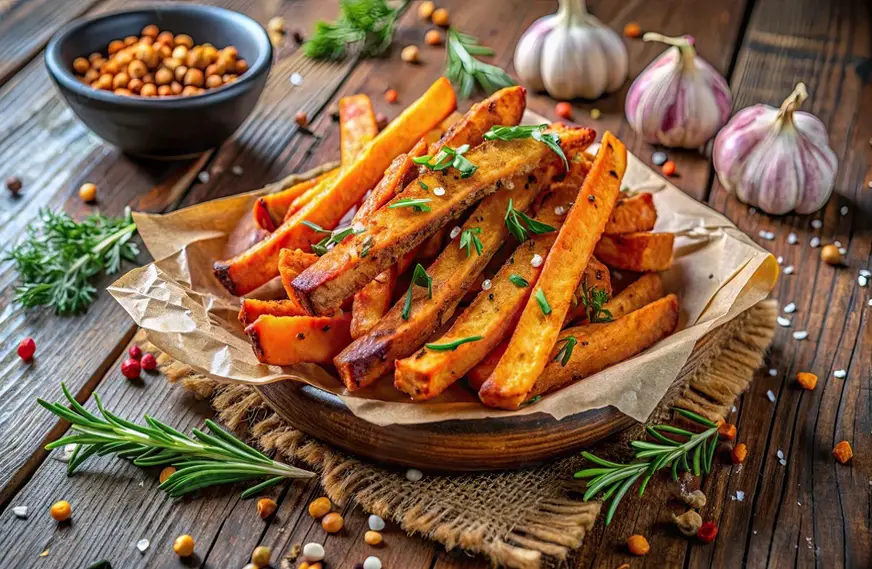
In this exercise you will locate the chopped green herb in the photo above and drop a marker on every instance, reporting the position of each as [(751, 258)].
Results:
[(418, 204), (451, 346), (315, 227), (536, 132), (364, 27), (464, 70), (531, 400), (517, 229), (543, 302), (424, 186), (449, 157), (469, 238), (594, 299), (336, 237), (422, 279), (518, 281), (367, 245), (566, 350)]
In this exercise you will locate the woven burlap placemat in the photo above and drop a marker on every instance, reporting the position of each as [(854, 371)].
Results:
[(525, 519)]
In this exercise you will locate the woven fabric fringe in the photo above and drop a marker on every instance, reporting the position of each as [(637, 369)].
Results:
[(525, 519)]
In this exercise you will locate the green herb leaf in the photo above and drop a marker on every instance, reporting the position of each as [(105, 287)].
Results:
[(449, 158), (566, 350), (424, 186), (58, 257), (367, 245), (469, 238), (594, 299), (422, 279), (514, 219), (451, 346), (418, 204), (464, 71), (335, 237), (543, 302), (315, 227), (518, 281), (364, 27), (536, 132)]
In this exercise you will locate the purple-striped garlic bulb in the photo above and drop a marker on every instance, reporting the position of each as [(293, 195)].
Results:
[(778, 160), (679, 100)]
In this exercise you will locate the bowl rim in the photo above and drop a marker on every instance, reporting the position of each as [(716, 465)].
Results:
[(65, 77)]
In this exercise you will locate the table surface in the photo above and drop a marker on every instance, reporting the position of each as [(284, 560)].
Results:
[(805, 511)]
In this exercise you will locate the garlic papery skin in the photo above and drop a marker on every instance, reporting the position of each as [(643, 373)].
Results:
[(571, 54), (679, 100), (778, 160)]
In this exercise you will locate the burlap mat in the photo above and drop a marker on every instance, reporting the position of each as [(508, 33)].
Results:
[(526, 519)]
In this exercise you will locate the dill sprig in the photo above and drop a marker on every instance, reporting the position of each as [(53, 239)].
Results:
[(207, 459), (594, 299), (464, 70), (59, 256), (516, 220), (364, 27), (612, 480)]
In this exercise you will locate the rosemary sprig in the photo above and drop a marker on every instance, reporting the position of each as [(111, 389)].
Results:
[(514, 219), (469, 239), (543, 302), (417, 204), (565, 352), (449, 157), (364, 27), (58, 258), (612, 480), (422, 279), (464, 70), (536, 132), (333, 238), (594, 299), (451, 346), (207, 459)]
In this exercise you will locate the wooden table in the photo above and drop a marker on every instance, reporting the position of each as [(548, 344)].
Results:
[(809, 511)]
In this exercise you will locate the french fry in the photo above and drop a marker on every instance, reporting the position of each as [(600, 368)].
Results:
[(396, 229), (395, 336), (357, 126), (632, 214), (288, 340), (543, 317), (492, 314), (645, 290), (253, 308), (399, 174), (373, 301), (270, 210), (292, 262), (640, 252), (253, 268), (602, 345), (596, 276)]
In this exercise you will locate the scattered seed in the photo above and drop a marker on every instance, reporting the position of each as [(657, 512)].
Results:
[(414, 475), (782, 321), (668, 168), (563, 110), (779, 454), (142, 545), (837, 243), (375, 523), (486, 284), (773, 372), (659, 158), (13, 184), (537, 260), (783, 462), (817, 223), (296, 79), (633, 30), (788, 270), (780, 260), (595, 114), (801, 335), (815, 242), (455, 231), (391, 96), (840, 374), (438, 191), (20, 512), (237, 170), (203, 177), (844, 210), (771, 396)]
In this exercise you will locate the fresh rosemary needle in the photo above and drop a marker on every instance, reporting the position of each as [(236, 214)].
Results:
[(464, 70), (206, 459)]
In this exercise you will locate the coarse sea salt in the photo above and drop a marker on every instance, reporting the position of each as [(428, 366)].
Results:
[(203, 176), (840, 374), (740, 496), (376, 523), (455, 231), (792, 238), (237, 170), (773, 372), (142, 545), (438, 191), (788, 270), (767, 235), (537, 260), (559, 210), (782, 321), (780, 454), (865, 273), (780, 259), (843, 251), (752, 210), (817, 223), (815, 242), (801, 335), (414, 475), (486, 284), (844, 210), (862, 281), (20, 512), (790, 308), (771, 396), (296, 79)]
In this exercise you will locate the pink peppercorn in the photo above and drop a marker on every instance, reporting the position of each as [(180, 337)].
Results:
[(130, 369), (26, 349), (135, 352), (148, 362)]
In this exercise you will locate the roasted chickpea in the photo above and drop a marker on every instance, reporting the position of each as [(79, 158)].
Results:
[(150, 31), (195, 58), (61, 511), (171, 63), (137, 69), (148, 90), (104, 82), (165, 51), (260, 557), (214, 81), (183, 39), (229, 54), (440, 17), (194, 77), (124, 92), (319, 507), (120, 81), (425, 10), (215, 69), (210, 54), (190, 90), (81, 65), (95, 56), (111, 67), (241, 66), (163, 76), (130, 40), (91, 75), (147, 41), (148, 55), (180, 51), (148, 78), (176, 88), (124, 57), (115, 46), (372, 537), (433, 37), (164, 91), (180, 72), (135, 85), (332, 522), (410, 54), (184, 546), (165, 37)]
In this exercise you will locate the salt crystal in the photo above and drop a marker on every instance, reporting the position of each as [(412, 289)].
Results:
[(740, 496), (455, 231), (817, 223), (844, 210), (869, 302), (782, 321), (865, 273), (237, 170), (771, 396), (142, 545), (486, 284), (752, 210), (837, 243), (376, 523), (559, 210), (203, 176), (659, 158), (792, 238), (780, 454), (767, 235), (780, 259), (20, 512), (296, 79), (414, 475), (862, 281), (65, 453), (438, 191), (790, 308), (733, 409), (537, 260), (801, 335), (843, 251), (773, 372), (840, 374), (313, 551), (815, 242), (372, 562), (788, 270)]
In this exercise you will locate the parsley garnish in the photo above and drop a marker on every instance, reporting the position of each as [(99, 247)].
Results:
[(464, 70), (424, 186), (519, 281), (334, 237), (566, 351), (469, 238), (449, 157), (367, 245), (422, 279), (543, 302), (418, 204), (451, 346), (364, 27), (517, 229), (594, 299), (536, 132)]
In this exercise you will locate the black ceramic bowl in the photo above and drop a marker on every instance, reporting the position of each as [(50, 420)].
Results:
[(163, 126)]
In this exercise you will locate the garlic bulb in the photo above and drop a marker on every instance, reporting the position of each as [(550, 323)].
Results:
[(571, 54), (679, 100), (777, 159)]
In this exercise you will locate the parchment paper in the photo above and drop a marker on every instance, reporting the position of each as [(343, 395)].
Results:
[(718, 273)]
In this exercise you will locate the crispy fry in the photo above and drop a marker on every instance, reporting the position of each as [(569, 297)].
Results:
[(492, 314), (357, 126), (602, 345), (270, 210), (398, 175), (252, 308), (394, 337), (479, 374), (640, 252), (632, 214), (373, 301), (288, 340), (540, 323), (392, 232), (292, 262), (258, 265), (596, 276)]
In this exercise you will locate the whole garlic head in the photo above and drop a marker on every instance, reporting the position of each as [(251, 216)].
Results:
[(571, 54), (778, 160), (679, 100)]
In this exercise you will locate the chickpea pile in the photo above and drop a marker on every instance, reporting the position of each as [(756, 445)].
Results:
[(160, 64)]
